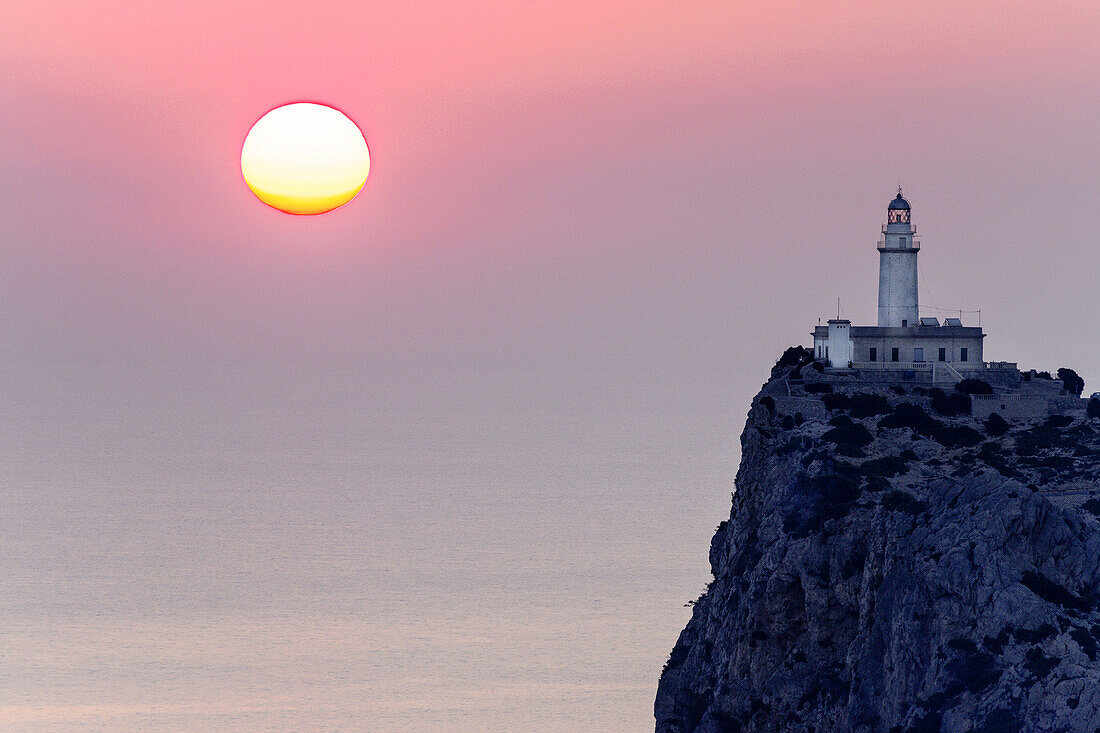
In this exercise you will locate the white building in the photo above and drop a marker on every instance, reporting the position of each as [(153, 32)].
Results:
[(902, 340)]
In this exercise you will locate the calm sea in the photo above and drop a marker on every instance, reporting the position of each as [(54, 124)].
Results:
[(292, 564)]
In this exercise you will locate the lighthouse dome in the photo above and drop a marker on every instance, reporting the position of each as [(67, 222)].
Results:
[(898, 203)]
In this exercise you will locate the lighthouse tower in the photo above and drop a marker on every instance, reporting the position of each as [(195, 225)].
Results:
[(921, 348), (897, 268)]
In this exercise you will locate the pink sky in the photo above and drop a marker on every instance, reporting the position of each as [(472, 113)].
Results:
[(589, 229), (545, 176)]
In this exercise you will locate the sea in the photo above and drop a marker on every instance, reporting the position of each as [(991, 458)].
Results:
[(274, 561)]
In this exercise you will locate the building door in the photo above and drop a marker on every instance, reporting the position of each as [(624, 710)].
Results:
[(943, 354), (918, 354), (874, 354), (894, 354), (963, 354)]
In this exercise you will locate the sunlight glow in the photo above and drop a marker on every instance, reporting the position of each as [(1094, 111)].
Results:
[(305, 158)]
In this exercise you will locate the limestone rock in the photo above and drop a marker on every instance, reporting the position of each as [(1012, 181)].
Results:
[(888, 568)]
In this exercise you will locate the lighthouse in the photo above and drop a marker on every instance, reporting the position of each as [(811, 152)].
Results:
[(897, 268), (902, 341)]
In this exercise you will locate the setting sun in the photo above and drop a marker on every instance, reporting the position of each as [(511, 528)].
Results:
[(305, 158)]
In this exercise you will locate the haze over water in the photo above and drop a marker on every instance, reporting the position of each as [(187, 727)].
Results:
[(450, 457), (240, 567)]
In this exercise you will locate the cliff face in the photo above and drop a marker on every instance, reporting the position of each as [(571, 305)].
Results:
[(888, 567)]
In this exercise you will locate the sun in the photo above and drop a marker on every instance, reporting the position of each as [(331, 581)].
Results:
[(305, 158)]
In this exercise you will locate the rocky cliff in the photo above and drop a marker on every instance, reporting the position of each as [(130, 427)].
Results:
[(891, 564)]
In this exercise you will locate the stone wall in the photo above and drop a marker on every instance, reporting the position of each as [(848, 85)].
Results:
[(1011, 406)]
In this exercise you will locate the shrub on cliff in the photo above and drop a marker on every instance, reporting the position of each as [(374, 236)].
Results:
[(908, 415), (1094, 408), (790, 422), (970, 670), (835, 489), (851, 434), (885, 467), (1071, 381), (996, 425), (957, 437), (859, 405), (793, 357), (1040, 438), (974, 386), (1052, 592), (950, 405), (863, 405), (817, 499), (994, 457)]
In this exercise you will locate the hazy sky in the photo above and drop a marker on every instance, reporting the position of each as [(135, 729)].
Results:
[(509, 375), (581, 192)]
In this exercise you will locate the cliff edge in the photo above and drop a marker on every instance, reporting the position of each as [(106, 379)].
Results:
[(892, 564)]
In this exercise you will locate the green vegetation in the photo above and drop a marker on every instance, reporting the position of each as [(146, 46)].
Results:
[(886, 467), (908, 415), (815, 500), (850, 433), (794, 358), (1052, 592), (863, 404), (1039, 664), (995, 425), (950, 405), (974, 386), (1071, 381), (1093, 410), (1001, 720), (1085, 640)]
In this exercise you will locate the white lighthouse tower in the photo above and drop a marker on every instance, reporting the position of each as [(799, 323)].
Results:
[(921, 348), (897, 268)]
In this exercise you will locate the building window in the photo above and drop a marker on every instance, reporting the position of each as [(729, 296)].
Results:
[(904, 323), (902, 241), (918, 354), (962, 354), (826, 352), (943, 354), (874, 354), (894, 354)]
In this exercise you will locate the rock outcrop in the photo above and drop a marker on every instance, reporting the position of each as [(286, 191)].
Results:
[(891, 564)]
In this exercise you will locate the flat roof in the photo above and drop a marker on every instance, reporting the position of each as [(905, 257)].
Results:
[(909, 332)]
